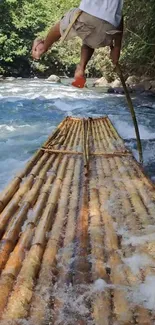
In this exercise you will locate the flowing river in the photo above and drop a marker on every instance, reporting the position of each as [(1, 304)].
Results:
[(31, 110)]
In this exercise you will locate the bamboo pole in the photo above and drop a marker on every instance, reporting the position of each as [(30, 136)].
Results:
[(13, 267), (102, 300), (81, 263), (114, 132), (127, 214), (17, 308), (67, 152), (135, 198), (109, 144), (122, 309), (40, 305), (141, 314), (58, 130), (25, 186), (132, 111), (11, 189), (15, 261), (60, 138), (103, 135), (13, 229), (116, 140), (121, 306), (40, 310), (12, 207), (39, 237), (131, 278), (143, 191)]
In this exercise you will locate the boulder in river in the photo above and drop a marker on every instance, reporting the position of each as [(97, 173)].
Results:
[(116, 83), (54, 78), (10, 78), (132, 81), (101, 82)]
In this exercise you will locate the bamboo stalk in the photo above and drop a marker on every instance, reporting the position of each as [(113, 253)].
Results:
[(14, 227), (11, 189), (132, 111), (114, 131), (40, 310), (17, 307), (139, 170), (39, 237), (80, 264), (142, 190), (122, 311), (135, 198), (98, 144), (127, 217), (15, 261), (14, 203), (67, 152), (132, 279), (114, 138), (105, 135), (13, 266), (111, 154), (5, 216), (84, 137), (19, 300), (101, 300), (60, 138), (58, 130), (39, 241)]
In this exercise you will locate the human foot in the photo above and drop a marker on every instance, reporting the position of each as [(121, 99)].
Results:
[(79, 77)]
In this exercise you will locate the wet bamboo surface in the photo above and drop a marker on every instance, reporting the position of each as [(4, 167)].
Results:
[(77, 233)]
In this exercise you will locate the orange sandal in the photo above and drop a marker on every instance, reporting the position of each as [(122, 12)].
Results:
[(79, 82)]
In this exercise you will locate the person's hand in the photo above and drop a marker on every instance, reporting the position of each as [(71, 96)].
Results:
[(115, 54), (38, 49)]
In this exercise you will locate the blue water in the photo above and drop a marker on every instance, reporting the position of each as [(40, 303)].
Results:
[(31, 109)]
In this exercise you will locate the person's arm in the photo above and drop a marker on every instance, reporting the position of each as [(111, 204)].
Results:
[(41, 46), (116, 47)]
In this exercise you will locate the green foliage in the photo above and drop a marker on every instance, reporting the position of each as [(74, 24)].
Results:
[(139, 37), (23, 20)]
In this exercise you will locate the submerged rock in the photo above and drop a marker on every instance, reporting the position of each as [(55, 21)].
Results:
[(54, 78)]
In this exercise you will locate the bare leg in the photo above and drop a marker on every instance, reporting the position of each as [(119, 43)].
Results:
[(86, 54)]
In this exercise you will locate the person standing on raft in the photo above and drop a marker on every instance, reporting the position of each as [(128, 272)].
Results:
[(99, 24)]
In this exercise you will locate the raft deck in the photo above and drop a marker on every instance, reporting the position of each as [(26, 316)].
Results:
[(77, 233)]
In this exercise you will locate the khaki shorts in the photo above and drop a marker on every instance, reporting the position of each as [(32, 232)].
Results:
[(93, 31)]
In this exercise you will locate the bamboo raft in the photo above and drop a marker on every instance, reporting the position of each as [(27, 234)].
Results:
[(72, 225)]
